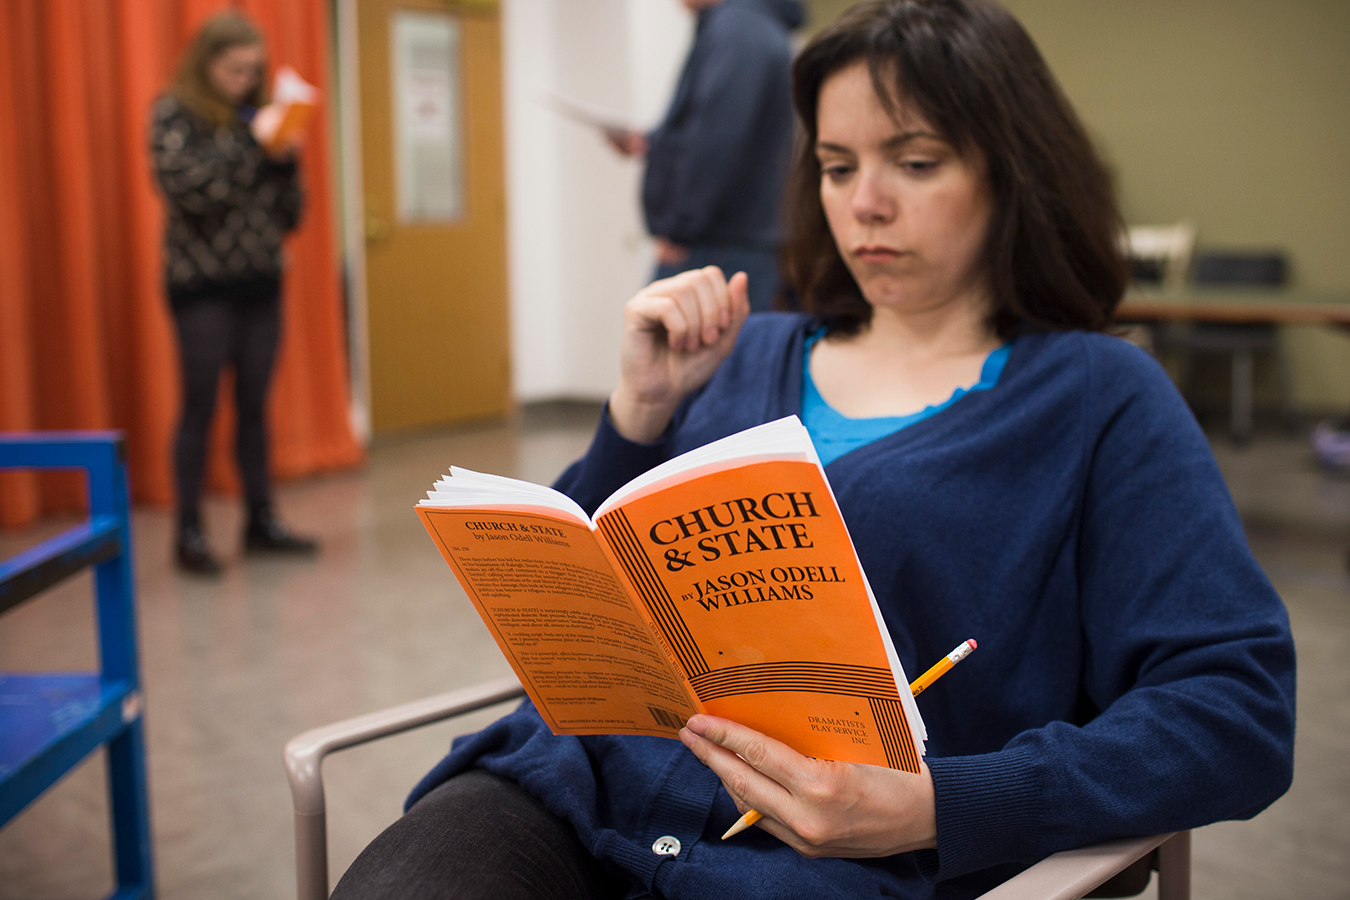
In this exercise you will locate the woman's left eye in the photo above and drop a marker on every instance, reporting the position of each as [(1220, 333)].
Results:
[(918, 166)]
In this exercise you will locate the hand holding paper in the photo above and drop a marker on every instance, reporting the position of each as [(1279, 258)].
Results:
[(817, 806), (916, 687), (280, 126), (626, 142)]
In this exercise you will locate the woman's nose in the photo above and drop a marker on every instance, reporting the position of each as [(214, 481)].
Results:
[(872, 202)]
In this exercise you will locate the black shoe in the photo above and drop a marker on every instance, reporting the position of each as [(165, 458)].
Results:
[(194, 554), (266, 535)]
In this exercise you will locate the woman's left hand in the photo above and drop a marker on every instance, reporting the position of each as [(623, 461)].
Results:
[(817, 806)]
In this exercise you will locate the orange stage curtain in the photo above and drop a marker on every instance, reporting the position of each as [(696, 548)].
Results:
[(86, 338)]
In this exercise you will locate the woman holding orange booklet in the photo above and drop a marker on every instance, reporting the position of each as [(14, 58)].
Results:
[(1006, 468), (229, 203)]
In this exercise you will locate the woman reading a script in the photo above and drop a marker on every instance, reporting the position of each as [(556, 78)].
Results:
[(1007, 469)]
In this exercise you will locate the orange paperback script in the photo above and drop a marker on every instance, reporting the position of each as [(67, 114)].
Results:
[(731, 588)]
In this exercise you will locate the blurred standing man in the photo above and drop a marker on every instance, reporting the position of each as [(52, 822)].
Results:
[(716, 164)]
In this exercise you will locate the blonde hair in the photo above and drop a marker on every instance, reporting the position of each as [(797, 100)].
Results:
[(192, 83)]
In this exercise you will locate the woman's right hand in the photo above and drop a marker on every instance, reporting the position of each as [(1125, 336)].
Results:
[(676, 333), (265, 125)]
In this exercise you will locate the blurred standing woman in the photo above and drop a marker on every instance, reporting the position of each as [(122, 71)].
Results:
[(229, 204)]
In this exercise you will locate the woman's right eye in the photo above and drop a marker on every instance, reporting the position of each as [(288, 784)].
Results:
[(836, 171)]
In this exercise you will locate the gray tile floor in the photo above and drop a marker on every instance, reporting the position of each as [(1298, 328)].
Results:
[(235, 668)]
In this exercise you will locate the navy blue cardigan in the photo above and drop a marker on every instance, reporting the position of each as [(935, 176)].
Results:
[(1135, 672)]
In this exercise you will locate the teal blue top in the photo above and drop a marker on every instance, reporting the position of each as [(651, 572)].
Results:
[(835, 434)]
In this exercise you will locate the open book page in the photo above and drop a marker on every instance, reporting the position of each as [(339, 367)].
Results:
[(745, 566), (551, 600)]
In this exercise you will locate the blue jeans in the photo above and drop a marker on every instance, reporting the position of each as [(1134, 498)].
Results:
[(760, 265)]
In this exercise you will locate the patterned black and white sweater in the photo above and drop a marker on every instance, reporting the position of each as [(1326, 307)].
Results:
[(229, 204)]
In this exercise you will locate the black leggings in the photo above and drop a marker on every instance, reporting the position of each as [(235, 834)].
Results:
[(478, 837), (242, 330)]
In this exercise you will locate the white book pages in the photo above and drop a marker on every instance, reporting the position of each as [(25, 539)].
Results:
[(289, 87), (465, 487), (784, 438)]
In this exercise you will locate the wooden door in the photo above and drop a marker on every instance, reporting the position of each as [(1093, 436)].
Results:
[(433, 160)]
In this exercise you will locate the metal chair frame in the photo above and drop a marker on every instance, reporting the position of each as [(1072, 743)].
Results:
[(1063, 876), (51, 721)]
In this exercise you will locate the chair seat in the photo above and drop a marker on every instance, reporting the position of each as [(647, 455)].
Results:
[(49, 722)]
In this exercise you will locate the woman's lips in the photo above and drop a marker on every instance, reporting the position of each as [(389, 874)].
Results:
[(875, 254)]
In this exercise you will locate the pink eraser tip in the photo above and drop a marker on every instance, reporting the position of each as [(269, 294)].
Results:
[(973, 645)]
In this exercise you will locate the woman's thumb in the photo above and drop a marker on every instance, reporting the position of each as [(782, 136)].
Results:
[(738, 289)]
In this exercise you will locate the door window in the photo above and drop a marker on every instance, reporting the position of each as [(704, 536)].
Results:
[(428, 132)]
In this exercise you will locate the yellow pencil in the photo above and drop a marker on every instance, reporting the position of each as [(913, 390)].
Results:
[(920, 684), (916, 688)]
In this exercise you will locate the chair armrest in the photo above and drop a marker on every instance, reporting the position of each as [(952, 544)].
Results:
[(304, 761), (1070, 874), (304, 753), (1064, 876)]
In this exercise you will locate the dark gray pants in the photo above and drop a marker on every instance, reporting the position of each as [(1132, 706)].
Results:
[(478, 837), (215, 330)]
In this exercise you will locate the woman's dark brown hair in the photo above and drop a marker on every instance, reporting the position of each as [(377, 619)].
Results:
[(1052, 255), (192, 82)]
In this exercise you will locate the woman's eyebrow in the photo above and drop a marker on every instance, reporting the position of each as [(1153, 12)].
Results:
[(905, 137), (891, 143), (827, 147)]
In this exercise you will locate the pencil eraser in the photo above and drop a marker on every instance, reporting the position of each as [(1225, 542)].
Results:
[(973, 645)]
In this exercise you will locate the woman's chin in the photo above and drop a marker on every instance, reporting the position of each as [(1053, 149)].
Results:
[(899, 298), (906, 296)]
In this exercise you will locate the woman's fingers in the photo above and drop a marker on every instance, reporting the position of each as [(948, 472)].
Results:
[(738, 297), (817, 807), (677, 331), (708, 305), (657, 310), (756, 769), (695, 293), (732, 299), (666, 306), (710, 292)]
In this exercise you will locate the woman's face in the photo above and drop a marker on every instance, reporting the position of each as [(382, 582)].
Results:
[(908, 214), (235, 71)]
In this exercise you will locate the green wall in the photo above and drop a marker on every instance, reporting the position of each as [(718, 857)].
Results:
[(1234, 114)]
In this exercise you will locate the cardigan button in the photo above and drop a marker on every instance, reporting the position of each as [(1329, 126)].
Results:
[(668, 845)]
